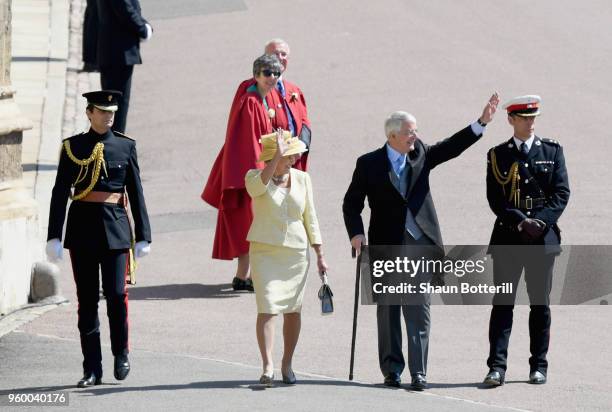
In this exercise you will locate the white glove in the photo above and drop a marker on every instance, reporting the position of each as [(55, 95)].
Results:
[(54, 250), (149, 32), (141, 249)]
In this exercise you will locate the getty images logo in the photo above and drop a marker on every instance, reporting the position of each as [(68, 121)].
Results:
[(411, 267)]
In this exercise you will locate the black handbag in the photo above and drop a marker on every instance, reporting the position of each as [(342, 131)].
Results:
[(326, 295), (305, 136)]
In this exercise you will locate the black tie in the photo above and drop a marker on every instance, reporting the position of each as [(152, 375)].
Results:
[(524, 149)]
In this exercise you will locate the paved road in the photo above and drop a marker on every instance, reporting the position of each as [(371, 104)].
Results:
[(439, 60)]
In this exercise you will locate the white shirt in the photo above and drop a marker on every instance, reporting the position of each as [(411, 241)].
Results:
[(528, 142)]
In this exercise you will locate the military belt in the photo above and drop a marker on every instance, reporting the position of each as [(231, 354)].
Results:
[(532, 203), (104, 197)]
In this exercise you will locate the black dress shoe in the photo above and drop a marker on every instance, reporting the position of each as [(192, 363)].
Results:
[(122, 367), (494, 378), (393, 380), (537, 378), (248, 285), (418, 382), (89, 379)]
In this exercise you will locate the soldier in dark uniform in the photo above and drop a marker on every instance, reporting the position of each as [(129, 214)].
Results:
[(99, 171), (121, 28), (527, 189)]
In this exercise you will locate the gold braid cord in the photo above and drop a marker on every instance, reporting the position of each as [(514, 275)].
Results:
[(97, 156), (513, 176)]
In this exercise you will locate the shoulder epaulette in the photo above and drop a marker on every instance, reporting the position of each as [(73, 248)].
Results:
[(122, 135), (76, 135), (502, 145), (550, 141)]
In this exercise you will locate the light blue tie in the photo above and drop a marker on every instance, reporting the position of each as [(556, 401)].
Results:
[(400, 163)]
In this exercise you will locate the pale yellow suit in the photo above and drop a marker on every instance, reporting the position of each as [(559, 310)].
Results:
[(284, 224)]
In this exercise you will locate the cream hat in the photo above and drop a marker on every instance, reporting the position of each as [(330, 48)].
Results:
[(268, 144)]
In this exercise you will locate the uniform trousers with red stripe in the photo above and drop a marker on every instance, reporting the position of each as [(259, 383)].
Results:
[(86, 266)]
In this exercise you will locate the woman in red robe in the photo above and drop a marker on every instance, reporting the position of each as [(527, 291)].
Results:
[(251, 116)]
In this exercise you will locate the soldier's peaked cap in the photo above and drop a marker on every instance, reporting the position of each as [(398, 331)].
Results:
[(524, 106), (107, 100)]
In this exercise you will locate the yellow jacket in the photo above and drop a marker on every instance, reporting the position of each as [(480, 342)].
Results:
[(279, 220)]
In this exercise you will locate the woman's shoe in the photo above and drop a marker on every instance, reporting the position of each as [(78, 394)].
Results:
[(238, 284), (242, 284), (267, 380), (289, 378)]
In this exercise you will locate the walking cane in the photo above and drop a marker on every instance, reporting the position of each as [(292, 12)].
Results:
[(355, 310)]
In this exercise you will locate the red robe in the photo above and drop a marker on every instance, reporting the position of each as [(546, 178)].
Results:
[(225, 190), (296, 103)]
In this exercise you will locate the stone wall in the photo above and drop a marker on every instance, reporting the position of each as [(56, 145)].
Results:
[(19, 227), (19, 245)]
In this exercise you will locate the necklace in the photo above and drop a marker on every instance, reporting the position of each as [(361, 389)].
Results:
[(280, 179)]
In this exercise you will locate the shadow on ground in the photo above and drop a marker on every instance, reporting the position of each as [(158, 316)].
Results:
[(183, 291)]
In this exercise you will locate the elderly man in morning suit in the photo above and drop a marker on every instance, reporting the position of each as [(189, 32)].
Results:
[(395, 179)]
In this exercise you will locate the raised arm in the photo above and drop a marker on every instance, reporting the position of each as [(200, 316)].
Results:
[(455, 145)]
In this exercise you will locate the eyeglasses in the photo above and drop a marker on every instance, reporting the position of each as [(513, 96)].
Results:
[(412, 133), (268, 73)]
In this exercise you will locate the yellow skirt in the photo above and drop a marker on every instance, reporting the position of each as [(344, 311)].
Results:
[(279, 277)]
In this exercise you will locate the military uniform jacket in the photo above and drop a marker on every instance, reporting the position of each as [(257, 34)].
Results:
[(542, 176), (99, 225), (388, 207), (121, 26)]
